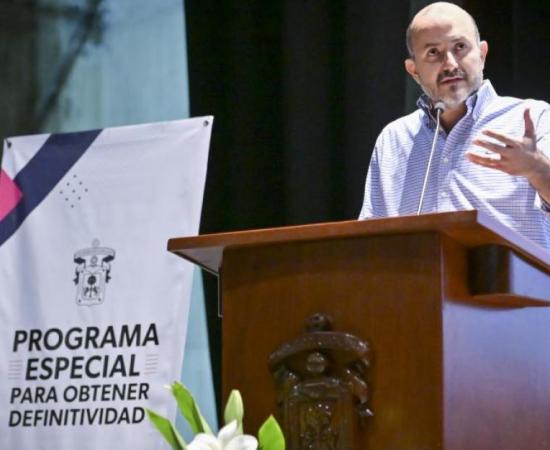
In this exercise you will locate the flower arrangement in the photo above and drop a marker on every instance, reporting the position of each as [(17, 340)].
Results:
[(230, 436)]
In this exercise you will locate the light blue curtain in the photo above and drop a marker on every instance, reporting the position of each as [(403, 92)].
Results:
[(108, 63), (131, 67)]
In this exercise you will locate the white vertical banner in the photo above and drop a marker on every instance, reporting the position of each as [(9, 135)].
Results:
[(93, 308)]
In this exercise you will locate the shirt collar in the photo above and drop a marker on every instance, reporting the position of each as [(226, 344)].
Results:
[(475, 103)]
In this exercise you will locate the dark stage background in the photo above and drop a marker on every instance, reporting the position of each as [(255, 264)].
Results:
[(301, 88)]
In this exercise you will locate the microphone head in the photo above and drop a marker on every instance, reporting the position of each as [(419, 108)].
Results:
[(439, 107)]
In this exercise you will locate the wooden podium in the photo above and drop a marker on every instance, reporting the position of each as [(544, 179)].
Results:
[(409, 333)]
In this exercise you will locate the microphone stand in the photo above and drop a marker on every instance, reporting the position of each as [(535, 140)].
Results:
[(439, 107)]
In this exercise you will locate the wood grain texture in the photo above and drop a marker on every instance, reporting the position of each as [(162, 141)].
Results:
[(471, 228), (460, 360), (496, 367), (385, 290)]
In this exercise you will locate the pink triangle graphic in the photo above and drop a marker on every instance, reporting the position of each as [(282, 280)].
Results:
[(10, 194)]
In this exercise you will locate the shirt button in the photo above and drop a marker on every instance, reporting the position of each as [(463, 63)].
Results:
[(444, 194), (446, 160)]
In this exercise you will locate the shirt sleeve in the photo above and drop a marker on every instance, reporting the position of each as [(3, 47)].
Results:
[(372, 184), (543, 144)]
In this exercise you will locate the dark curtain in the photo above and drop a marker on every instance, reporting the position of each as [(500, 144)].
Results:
[(17, 80), (300, 90)]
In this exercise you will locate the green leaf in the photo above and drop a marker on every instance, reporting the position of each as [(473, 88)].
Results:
[(167, 430), (189, 409), (270, 435), (234, 409)]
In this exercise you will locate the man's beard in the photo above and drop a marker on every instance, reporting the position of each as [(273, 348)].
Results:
[(458, 94)]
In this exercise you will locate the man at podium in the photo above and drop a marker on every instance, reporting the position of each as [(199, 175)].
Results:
[(465, 147)]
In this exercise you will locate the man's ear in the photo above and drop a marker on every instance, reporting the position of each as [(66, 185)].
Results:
[(410, 67), (483, 50)]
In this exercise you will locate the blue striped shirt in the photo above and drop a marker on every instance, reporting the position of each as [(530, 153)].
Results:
[(400, 158)]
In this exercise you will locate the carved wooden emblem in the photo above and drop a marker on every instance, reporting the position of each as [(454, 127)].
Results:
[(321, 385)]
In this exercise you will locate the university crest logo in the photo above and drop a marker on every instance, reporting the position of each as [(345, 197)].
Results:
[(92, 273)]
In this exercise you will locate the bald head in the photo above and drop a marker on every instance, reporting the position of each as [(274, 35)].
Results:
[(439, 11)]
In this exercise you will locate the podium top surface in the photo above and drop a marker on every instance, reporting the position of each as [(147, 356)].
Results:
[(470, 228)]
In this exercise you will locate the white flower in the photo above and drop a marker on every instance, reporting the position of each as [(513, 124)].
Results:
[(228, 438)]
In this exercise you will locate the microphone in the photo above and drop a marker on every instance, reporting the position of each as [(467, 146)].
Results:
[(439, 107)]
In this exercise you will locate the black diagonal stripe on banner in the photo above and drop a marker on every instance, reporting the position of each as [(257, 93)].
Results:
[(41, 174)]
